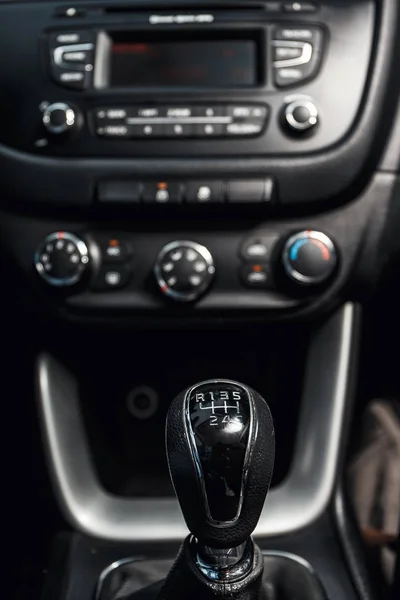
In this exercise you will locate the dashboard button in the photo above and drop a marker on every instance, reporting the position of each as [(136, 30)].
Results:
[(211, 110), (247, 128), (259, 248), (148, 130), (80, 57), (71, 37), (257, 276), (119, 191), (115, 251), (147, 112), (177, 130), (204, 192), (302, 34), (241, 111), (179, 112), (77, 55), (162, 192), (73, 79), (110, 114), (115, 131), (208, 130), (285, 76), (112, 277), (281, 51), (250, 190)]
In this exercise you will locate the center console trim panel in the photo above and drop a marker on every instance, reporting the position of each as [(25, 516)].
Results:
[(296, 503)]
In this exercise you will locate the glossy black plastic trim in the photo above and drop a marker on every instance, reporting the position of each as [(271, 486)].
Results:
[(197, 461)]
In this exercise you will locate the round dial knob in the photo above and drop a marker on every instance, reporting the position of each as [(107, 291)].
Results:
[(59, 118), (62, 259), (301, 115), (309, 257), (184, 270)]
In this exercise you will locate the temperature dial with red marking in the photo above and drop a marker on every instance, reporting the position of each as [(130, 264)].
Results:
[(184, 270), (62, 259), (309, 258)]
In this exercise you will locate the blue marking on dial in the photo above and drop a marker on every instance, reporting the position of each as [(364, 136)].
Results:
[(294, 250)]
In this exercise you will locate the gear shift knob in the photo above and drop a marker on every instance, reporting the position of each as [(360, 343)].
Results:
[(220, 448)]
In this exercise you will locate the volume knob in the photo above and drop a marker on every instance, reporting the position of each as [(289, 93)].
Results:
[(301, 115), (59, 118)]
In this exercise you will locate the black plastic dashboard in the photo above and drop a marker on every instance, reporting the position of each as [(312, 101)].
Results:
[(123, 181)]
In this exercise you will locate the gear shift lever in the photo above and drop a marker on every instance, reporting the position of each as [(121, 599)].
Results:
[(220, 446)]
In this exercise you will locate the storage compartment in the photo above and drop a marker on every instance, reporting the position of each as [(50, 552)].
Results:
[(126, 431)]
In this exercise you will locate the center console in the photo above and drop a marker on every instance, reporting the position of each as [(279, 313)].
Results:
[(189, 191)]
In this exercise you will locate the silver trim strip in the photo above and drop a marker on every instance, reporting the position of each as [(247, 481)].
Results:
[(101, 75), (184, 120), (302, 497)]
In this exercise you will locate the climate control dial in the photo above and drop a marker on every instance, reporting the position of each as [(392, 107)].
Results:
[(62, 259), (184, 270), (309, 258)]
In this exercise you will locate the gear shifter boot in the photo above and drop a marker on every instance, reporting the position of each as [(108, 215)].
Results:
[(184, 580)]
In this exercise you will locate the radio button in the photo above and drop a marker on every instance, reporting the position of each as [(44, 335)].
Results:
[(110, 114), (177, 130), (209, 111), (72, 37), (301, 34), (179, 112), (247, 112), (72, 79), (209, 130), (147, 112), (286, 76), (284, 52), (78, 57), (117, 131), (245, 128), (204, 192), (148, 130)]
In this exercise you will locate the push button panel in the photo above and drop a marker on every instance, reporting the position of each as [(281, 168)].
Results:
[(71, 56), (181, 121), (296, 52), (200, 191)]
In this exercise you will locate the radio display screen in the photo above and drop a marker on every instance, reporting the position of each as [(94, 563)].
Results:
[(205, 63)]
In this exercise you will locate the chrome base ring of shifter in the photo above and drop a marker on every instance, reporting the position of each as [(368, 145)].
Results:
[(227, 565)]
